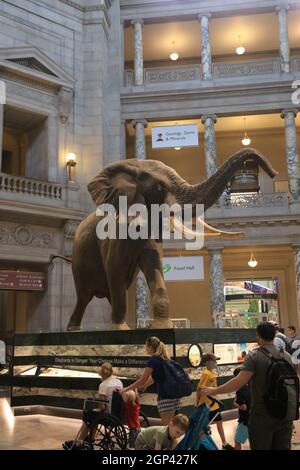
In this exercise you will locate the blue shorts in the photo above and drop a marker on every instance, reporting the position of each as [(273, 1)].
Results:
[(241, 433)]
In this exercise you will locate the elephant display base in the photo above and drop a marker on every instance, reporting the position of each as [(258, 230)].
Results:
[(74, 328), (161, 323), (119, 326)]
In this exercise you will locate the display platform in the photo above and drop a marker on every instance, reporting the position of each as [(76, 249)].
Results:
[(61, 369)]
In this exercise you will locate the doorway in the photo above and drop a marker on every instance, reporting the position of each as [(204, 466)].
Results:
[(250, 301)]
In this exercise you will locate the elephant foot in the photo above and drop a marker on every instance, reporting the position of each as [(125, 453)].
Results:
[(161, 323), (119, 326), (73, 328)]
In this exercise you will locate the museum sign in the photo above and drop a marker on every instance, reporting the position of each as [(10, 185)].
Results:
[(23, 280), (175, 136)]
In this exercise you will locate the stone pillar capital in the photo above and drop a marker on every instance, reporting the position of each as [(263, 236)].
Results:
[(213, 117), (215, 250), (280, 8), (137, 21), (134, 122), (204, 15), (286, 111)]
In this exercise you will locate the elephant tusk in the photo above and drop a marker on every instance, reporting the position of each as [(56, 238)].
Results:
[(187, 231), (222, 233)]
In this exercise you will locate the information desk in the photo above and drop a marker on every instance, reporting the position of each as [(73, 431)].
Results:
[(61, 369)]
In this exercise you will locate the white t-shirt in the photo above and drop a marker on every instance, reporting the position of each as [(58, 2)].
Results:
[(108, 386), (279, 343)]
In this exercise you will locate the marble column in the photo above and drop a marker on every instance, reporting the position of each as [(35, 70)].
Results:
[(1, 133), (122, 59), (138, 52), (217, 287), (140, 142), (123, 139), (291, 152), (210, 144), (205, 42), (282, 13), (142, 298), (297, 268)]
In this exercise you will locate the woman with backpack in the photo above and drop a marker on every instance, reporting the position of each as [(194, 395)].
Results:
[(171, 381)]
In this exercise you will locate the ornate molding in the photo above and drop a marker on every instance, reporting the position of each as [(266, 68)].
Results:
[(70, 228), (172, 74), (25, 81), (24, 235), (261, 67), (255, 200)]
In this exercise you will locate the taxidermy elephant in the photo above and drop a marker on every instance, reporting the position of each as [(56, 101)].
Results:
[(106, 268)]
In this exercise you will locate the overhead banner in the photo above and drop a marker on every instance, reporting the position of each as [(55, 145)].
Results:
[(22, 280), (183, 268), (185, 135)]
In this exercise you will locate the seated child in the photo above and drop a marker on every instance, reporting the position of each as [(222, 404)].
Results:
[(162, 437), (243, 402), (132, 411)]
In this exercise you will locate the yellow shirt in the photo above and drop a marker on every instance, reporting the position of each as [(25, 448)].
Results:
[(207, 379)]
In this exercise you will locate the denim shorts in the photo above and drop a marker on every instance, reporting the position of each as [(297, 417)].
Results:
[(241, 433)]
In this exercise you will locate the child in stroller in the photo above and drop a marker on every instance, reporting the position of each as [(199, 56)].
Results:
[(198, 436)]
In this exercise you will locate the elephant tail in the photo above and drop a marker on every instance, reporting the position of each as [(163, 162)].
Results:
[(52, 257)]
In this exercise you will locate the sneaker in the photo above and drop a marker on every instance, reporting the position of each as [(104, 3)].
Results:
[(227, 447)]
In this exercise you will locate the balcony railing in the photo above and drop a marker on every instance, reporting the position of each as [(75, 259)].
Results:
[(31, 190), (245, 201), (221, 71)]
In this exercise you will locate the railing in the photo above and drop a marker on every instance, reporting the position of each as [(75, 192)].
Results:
[(221, 70), (255, 200), (43, 191)]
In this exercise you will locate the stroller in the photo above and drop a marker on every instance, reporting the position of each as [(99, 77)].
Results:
[(198, 435)]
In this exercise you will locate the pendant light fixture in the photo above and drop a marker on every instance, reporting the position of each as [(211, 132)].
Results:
[(174, 55), (252, 261), (246, 139), (240, 50)]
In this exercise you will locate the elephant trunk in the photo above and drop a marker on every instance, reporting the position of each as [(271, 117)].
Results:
[(209, 191)]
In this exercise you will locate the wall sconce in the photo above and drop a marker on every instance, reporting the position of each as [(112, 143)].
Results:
[(252, 262), (71, 163)]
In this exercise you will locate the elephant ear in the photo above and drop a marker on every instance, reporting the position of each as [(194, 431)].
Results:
[(118, 179)]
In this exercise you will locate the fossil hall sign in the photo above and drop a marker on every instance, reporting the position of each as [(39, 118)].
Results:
[(23, 280)]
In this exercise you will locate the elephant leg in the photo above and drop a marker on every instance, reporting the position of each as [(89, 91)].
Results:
[(151, 264), (76, 318), (118, 304)]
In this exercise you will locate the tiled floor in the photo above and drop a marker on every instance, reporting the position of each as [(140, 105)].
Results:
[(38, 432)]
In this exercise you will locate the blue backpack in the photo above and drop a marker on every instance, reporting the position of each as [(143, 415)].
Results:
[(176, 381)]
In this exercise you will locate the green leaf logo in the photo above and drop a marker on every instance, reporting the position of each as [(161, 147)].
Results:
[(167, 268)]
